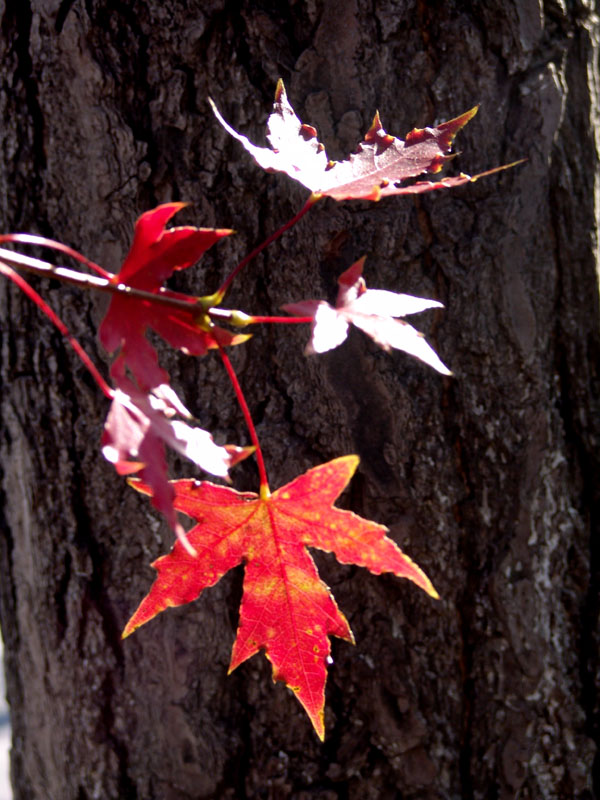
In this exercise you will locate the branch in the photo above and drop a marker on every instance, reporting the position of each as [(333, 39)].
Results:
[(84, 281)]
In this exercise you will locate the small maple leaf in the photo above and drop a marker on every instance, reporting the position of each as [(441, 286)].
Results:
[(374, 311), (135, 433), (286, 609), (377, 169), (156, 253)]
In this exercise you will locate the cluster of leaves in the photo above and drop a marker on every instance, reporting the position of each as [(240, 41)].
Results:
[(286, 609)]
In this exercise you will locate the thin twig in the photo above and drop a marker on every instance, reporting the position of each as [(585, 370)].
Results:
[(306, 207), (52, 244), (262, 471), (84, 281), (57, 321), (109, 285)]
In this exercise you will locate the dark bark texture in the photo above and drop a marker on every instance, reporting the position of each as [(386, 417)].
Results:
[(487, 479)]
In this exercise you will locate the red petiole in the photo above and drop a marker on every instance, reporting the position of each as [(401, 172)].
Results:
[(281, 320), (290, 223), (57, 321), (264, 483)]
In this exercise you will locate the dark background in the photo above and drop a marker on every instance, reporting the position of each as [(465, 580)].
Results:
[(488, 479)]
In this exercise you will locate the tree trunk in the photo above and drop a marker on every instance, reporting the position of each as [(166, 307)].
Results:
[(487, 479)]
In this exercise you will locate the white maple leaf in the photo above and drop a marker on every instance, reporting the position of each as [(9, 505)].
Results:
[(377, 312)]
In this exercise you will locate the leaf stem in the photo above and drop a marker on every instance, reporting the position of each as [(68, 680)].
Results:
[(281, 320), (241, 320), (107, 284), (57, 321), (264, 483), (307, 206)]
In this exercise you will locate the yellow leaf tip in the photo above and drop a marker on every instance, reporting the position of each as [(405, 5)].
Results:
[(136, 484), (279, 91), (430, 588), (318, 723), (354, 460)]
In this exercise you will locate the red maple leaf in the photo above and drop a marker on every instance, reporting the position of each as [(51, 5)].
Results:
[(377, 169), (374, 311), (286, 609), (156, 253)]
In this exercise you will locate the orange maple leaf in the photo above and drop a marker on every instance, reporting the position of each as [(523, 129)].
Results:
[(286, 609)]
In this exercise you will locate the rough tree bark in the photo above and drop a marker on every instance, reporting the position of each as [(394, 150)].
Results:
[(487, 479)]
